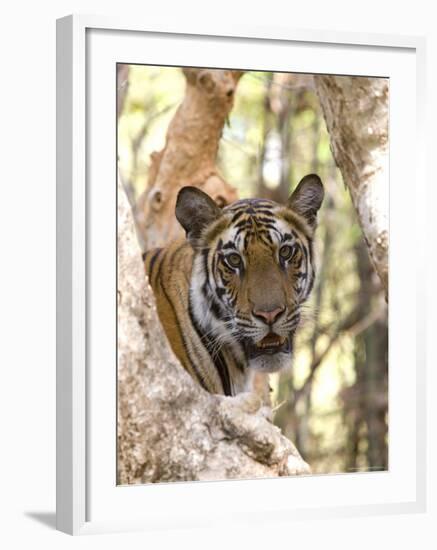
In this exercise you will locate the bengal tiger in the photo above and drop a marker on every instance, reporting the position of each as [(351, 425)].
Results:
[(229, 296)]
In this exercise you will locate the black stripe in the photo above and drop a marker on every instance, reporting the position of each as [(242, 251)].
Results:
[(175, 254), (215, 310), (310, 287), (294, 317), (241, 230), (265, 212), (218, 359), (220, 292), (264, 224), (236, 216), (152, 262), (205, 253), (184, 343), (243, 223)]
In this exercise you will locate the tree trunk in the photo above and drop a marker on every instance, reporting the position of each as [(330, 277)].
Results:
[(122, 86), (169, 428), (189, 155), (356, 114)]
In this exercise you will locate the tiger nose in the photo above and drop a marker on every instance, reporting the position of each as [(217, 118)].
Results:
[(269, 317)]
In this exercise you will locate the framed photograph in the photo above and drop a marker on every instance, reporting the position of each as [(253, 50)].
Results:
[(240, 334)]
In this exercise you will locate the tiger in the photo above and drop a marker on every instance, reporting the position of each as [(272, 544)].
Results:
[(229, 295)]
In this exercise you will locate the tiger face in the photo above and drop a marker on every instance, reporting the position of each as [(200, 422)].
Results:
[(252, 270)]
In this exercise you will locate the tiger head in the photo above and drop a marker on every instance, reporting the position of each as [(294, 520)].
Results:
[(252, 270)]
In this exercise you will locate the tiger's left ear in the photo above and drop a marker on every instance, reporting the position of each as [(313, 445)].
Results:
[(195, 210), (307, 198)]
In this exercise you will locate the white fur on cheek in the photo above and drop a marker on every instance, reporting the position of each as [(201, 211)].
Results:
[(202, 307)]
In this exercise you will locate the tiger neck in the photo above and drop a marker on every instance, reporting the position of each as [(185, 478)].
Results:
[(227, 355)]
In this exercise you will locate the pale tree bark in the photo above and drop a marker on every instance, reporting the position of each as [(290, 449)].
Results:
[(122, 86), (356, 114), (189, 155), (169, 428)]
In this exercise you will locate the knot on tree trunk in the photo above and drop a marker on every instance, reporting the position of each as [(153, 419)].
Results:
[(245, 420)]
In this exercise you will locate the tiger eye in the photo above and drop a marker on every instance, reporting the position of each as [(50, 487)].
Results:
[(286, 252), (234, 260)]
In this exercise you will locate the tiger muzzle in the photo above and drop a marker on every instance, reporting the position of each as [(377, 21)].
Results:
[(269, 345)]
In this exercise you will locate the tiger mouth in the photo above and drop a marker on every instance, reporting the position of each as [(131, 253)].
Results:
[(269, 345)]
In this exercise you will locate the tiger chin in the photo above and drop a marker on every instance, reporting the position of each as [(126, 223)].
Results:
[(229, 295)]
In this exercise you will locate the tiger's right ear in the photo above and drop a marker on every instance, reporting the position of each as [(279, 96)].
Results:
[(195, 210)]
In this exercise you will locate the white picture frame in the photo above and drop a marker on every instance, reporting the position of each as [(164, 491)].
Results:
[(74, 292)]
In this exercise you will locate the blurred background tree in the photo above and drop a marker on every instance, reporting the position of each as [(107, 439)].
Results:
[(333, 402)]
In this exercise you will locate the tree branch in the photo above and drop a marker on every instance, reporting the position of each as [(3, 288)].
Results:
[(189, 155)]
